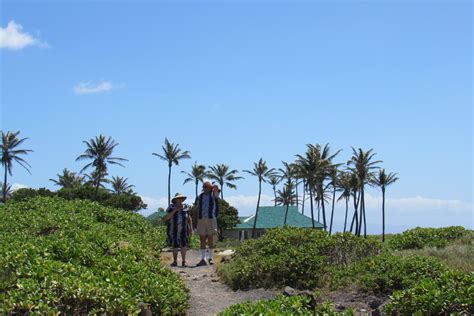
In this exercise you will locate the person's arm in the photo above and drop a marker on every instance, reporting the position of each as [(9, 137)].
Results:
[(190, 226), (171, 212)]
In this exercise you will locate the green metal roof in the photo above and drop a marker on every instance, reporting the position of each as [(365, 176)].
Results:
[(274, 216)]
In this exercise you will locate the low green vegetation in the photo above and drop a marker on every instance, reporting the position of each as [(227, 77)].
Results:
[(281, 305), (79, 257), (418, 238), (416, 280), (288, 256)]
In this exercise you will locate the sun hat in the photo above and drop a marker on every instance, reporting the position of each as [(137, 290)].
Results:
[(178, 196)]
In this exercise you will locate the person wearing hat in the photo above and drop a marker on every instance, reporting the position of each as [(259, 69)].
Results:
[(207, 211), (178, 227)]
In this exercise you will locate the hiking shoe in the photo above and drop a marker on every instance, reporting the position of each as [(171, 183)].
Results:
[(201, 263), (210, 261), (174, 264)]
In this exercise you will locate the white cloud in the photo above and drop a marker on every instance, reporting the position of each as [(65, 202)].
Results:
[(17, 186), (12, 37), (88, 87), (153, 204)]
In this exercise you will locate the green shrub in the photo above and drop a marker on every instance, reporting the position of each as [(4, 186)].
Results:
[(287, 256), (78, 257), (450, 293), (281, 305), (418, 238), (387, 273)]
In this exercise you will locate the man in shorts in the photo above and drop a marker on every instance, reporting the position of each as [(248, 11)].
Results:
[(207, 207)]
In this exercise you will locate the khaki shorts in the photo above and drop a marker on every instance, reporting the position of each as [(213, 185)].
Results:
[(207, 227)]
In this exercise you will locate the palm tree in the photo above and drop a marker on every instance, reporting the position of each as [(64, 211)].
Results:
[(120, 185), (7, 189), (286, 197), (344, 186), (11, 153), (363, 166), (68, 179), (383, 180), (314, 168), (355, 185), (100, 151), (197, 174), (263, 173), (274, 180), (91, 179), (172, 154), (221, 173)]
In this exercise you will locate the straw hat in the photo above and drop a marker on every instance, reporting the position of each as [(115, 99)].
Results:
[(179, 196)]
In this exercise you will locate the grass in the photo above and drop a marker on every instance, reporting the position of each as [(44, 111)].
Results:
[(458, 255)]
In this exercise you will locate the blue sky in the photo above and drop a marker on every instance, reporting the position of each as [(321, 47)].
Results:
[(239, 80)]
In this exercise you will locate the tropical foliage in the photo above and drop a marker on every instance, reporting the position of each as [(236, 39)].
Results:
[(120, 185), (10, 153), (222, 174), (197, 174), (78, 257), (68, 179), (172, 154)]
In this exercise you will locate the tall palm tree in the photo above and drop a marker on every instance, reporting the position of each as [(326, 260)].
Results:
[(383, 180), (286, 197), (11, 153), (68, 179), (274, 180), (355, 185), (172, 154), (363, 166), (344, 186), (263, 173), (7, 189), (120, 185), (197, 174), (221, 173), (314, 167), (100, 151)]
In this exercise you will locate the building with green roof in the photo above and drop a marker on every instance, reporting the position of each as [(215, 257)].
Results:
[(270, 217)]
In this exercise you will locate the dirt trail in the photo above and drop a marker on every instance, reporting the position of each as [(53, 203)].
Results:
[(209, 295)]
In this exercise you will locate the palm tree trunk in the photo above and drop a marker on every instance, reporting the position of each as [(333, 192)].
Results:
[(258, 205), (275, 194), (4, 193), (359, 230), (383, 214), (222, 189), (296, 191), (286, 214), (302, 203), (169, 184), (347, 209), (332, 209), (324, 214), (319, 211), (365, 223), (197, 183), (311, 205), (355, 216)]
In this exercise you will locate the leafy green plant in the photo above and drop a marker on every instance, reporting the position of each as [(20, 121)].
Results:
[(287, 256), (418, 238), (450, 293), (79, 257), (281, 305)]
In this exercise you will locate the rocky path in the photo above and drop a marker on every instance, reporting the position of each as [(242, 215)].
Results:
[(209, 295)]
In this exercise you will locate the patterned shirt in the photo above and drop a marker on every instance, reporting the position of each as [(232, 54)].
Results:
[(206, 199)]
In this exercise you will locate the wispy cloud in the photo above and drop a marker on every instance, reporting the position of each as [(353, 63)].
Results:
[(153, 204), (89, 88), (16, 186), (12, 37)]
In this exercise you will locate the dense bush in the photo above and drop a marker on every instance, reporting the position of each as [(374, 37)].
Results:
[(126, 201), (288, 256), (418, 238), (387, 273), (452, 292), (281, 305), (78, 257)]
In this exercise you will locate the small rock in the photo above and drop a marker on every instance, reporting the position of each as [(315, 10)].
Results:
[(363, 310), (289, 291), (182, 271), (194, 279), (214, 280), (375, 303), (204, 275), (340, 307)]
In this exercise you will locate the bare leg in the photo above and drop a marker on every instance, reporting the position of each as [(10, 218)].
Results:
[(175, 254), (183, 254)]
